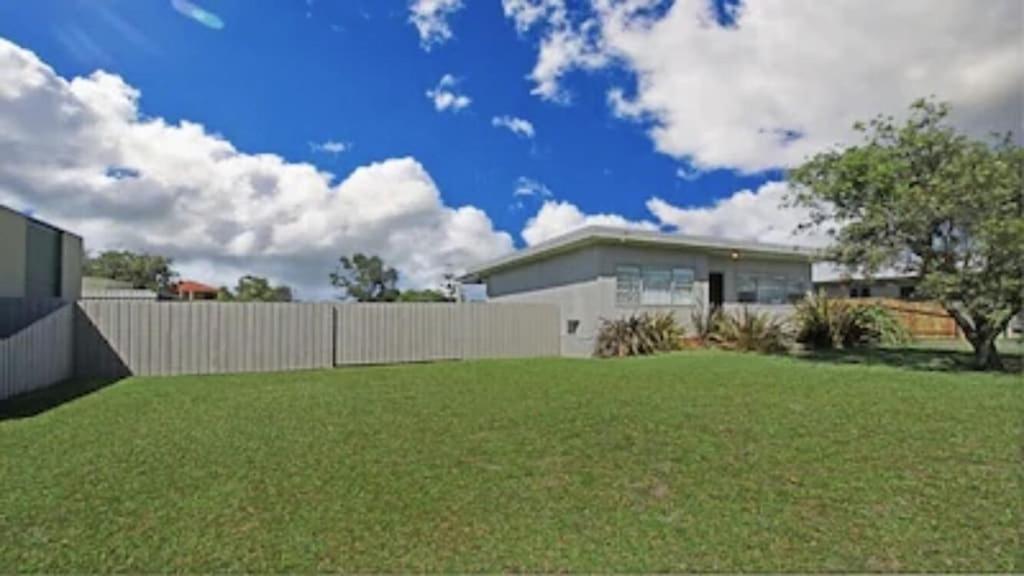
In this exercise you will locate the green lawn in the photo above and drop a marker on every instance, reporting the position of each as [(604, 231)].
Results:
[(699, 461)]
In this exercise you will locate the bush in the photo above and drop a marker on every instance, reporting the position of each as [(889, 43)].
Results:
[(638, 335), (704, 322), (825, 323), (749, 331)]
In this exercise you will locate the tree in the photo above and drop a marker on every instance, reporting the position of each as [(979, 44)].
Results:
[(366, 279), (258, 289), (427, 295), (924, 199), (142, 271)]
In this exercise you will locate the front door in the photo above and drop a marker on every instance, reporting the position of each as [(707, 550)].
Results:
[(716, 290)]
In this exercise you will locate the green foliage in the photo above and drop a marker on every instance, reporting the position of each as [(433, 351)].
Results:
[(427, 295), (255, 289), (825, 323), (749, 331), (365, 279), (142, 271), (927, 200), (638, 335), (704, 322)]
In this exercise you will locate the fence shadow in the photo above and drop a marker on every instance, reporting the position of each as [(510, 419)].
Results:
[(38, 401), (911, 358)]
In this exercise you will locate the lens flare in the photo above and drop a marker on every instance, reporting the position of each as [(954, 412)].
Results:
[(190, 10)]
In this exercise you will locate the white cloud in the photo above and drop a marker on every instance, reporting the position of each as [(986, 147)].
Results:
[(431, 20), (330, 146), (786, 78), (446, 97), (518, 126), (757, 215), (556, 218), (81, 154), (530, 187)]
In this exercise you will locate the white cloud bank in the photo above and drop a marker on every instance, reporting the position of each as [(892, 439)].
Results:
[(757, 215), (446, 97), (79, 153), (430, 17), (786, 78)]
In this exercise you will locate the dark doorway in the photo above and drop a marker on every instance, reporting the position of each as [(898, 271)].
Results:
[(716, 290)]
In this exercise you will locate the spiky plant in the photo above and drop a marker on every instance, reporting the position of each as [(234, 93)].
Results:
[(750, 331), (637, 335)]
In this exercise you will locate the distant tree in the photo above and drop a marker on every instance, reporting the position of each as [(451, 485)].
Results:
[(927, 200), (258, 289), (255, 289), (366, 279), (427, 295), (142, 271)]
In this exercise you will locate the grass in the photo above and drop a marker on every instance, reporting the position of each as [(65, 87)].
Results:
[(699, 461), (935, 355)]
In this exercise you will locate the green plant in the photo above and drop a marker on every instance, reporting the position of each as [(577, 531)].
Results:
[(638, 335), (749, 331), (704, 322), (825, 323)]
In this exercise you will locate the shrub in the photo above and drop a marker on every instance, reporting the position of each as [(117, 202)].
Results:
[(826, 323), (704, 322), (749, 331), (638, 335)]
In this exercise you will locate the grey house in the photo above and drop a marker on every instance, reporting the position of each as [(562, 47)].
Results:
[(38, 260), (600, 272)]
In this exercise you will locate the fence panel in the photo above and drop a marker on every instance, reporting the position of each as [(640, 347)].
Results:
[(390, 333), (17, 313), (121, 338), (924, 320), (39, 355)]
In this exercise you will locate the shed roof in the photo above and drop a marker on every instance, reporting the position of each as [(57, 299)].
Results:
[(591, 235)]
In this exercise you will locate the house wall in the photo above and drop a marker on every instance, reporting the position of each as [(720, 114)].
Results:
[(13, 233), (582, 284)]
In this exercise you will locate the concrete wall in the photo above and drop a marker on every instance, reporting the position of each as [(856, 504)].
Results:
[(13, 234), (582, 285)]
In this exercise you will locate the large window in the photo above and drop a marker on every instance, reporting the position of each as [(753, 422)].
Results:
[(653, 286), (769, 289)]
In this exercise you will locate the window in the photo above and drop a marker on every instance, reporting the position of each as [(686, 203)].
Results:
[(906, 292), (746, 291), (769, 289), (635, 286), (657, 287), (682, 286), (627, 285), (797, 291)]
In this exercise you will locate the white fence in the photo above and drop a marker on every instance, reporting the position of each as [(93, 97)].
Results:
[(39, 355)]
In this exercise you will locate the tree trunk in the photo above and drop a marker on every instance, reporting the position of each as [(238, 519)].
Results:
[(982, 336), (986, 357)]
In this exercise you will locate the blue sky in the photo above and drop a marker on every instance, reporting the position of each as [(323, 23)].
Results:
[(282, 76)]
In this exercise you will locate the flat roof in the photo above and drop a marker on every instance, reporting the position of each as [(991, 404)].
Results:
[(38, 221), (591, 235)]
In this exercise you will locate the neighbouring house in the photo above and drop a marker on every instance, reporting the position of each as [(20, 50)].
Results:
[(192, 290), (837, 283), (94, 288), (38, 260), (600, 272)]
